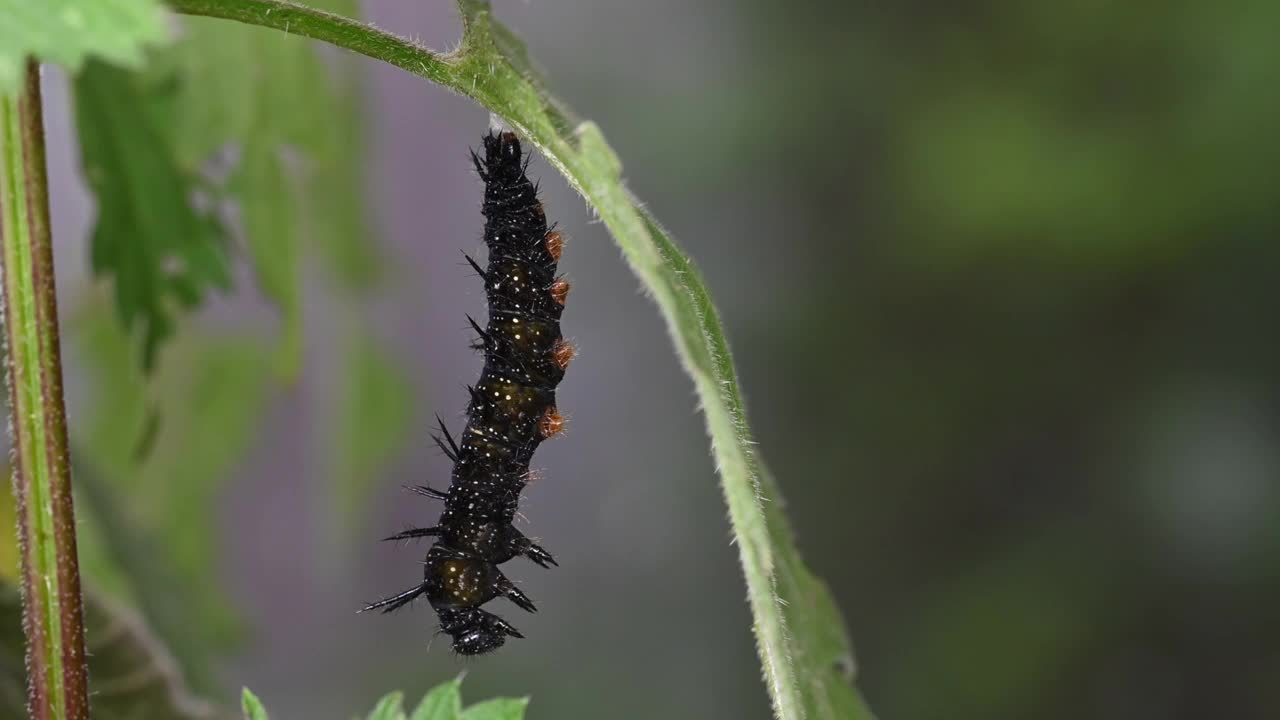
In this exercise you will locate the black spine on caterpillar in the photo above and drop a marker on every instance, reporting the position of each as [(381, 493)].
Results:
[(512, 410)]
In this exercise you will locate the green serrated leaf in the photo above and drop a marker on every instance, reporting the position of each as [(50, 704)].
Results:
[(133, 676), (159, 250), (497, 709), (251, 706), (68, 31), (443, 702), (299, 180), (152, 138), (390, 707)]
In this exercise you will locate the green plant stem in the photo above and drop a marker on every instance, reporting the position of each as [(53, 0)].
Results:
[(52, 617), (320, 25), (490, 67)]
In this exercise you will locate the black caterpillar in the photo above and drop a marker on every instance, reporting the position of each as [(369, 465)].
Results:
[(512, 410)]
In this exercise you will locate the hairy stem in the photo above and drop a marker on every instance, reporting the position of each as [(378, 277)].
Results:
[(334, 29), (52, 617)]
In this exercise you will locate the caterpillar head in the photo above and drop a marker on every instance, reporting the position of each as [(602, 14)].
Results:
[(476, 632)]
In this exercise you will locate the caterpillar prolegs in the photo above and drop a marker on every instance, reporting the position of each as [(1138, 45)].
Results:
[(511, 411)]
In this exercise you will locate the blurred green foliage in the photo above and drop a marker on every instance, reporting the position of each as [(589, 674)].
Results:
[(231, 117), (160, 249), (443, 702), (375, 412), (205, 405), (295, 125), (134, 675), (255, 128), (1027, 235)]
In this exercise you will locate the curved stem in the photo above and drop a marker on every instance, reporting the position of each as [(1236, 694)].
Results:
[(52, 615), (333, 29)]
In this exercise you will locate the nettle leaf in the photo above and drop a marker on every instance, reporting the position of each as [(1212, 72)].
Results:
[(251, 706), (443, 702), (292, 117), (390, 707), (294, 122), (161, 251), (68, 31), (497, 709), (266, 131), (232, 115)]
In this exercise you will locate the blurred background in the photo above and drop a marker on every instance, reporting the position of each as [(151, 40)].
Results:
[(1000, 279)]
